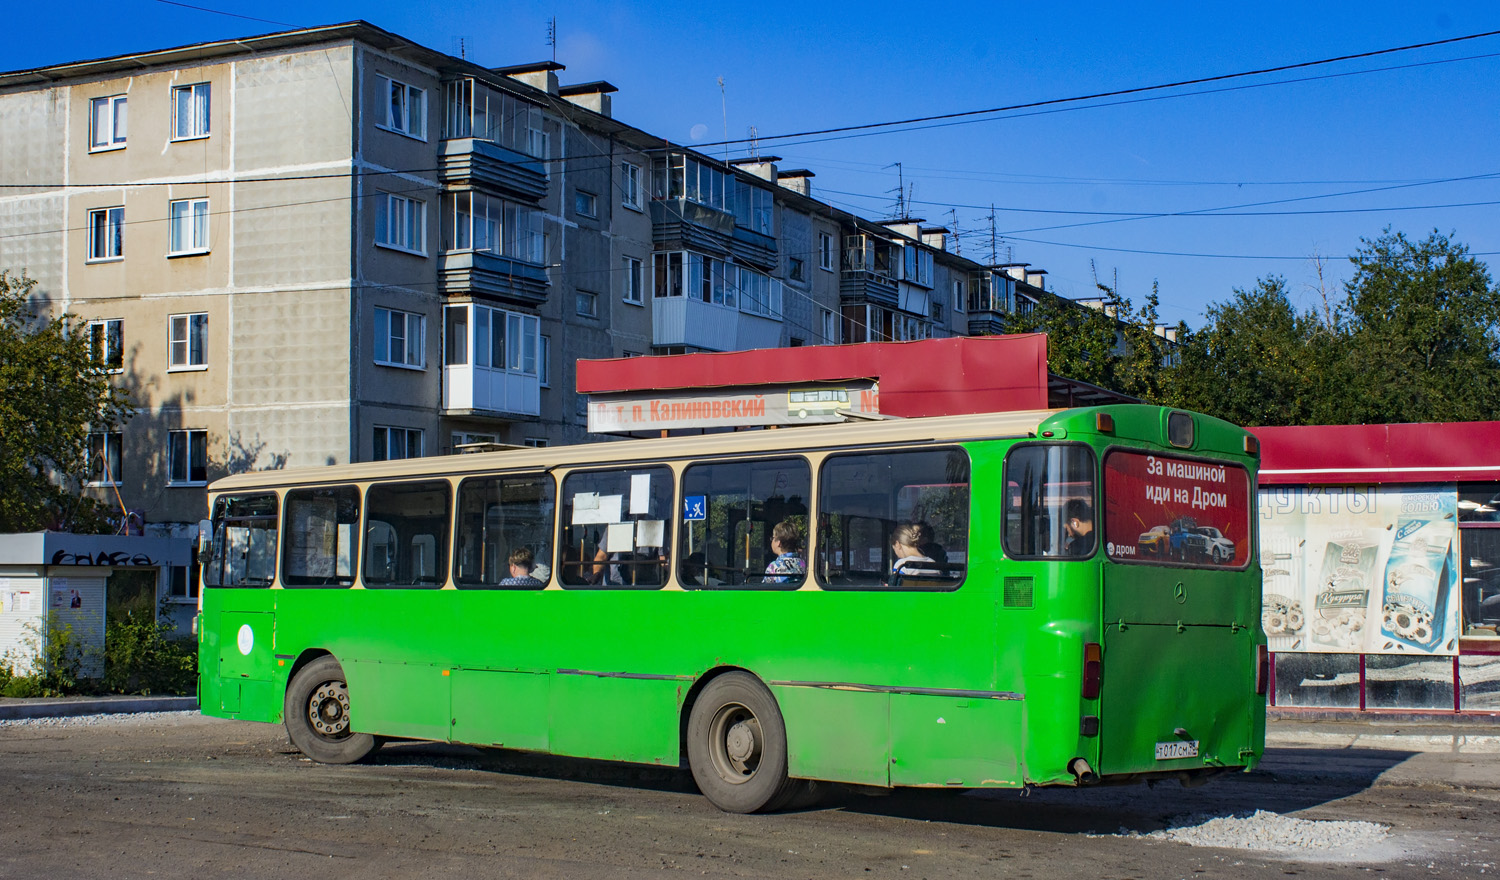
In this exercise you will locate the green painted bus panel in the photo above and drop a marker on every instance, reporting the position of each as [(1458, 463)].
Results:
[(963, 742), (245, 644), (836, 735), (1158, 679), (228, 694), (1165, 595), (398, 699), (617, 719), (501, 708)]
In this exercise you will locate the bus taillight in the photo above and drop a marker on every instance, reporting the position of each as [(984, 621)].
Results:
[(1262, 669), (1091, 655)]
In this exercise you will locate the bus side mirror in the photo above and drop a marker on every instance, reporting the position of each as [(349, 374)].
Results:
[(205, 539)]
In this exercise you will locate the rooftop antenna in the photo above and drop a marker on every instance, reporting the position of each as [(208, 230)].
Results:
[(754, 142), (461, 53), (957, 247), (552, 36), (724, 106), (994, 243), (900, 190)]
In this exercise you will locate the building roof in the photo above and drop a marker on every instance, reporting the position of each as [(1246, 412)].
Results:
[(1430, 452)]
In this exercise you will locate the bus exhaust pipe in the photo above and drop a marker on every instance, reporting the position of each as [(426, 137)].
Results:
[(1083, 772)]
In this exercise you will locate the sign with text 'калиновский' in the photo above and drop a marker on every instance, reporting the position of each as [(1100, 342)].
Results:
[(731, 408)]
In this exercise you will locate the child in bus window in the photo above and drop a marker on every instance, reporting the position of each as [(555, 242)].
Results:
[(788, 566)]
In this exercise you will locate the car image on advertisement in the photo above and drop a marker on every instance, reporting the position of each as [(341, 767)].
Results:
[(1213, 544), (1155, 542)]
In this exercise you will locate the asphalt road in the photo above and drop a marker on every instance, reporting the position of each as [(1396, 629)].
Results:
[(185, 796)]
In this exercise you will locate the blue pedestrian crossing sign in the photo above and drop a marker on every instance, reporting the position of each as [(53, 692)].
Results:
[(694, 508)]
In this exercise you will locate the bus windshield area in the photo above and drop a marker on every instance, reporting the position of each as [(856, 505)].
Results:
[(1050, 501)]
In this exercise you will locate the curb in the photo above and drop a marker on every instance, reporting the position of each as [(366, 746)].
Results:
[(67, 708)]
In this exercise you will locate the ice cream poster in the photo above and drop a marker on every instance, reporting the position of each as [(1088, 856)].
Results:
[(1360, 569)]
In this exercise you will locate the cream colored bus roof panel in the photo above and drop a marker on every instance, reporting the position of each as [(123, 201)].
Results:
[(953, 428)]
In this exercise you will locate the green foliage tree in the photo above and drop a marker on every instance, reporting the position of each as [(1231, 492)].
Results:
[(51, 396)]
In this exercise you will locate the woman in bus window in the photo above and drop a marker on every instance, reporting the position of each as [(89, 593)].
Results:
[(906, 545), (788, 566)]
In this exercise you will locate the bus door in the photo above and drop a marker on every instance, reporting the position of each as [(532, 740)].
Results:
[(1180, 615)]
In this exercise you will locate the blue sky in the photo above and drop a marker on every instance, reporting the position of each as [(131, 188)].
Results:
[(1321, 144)]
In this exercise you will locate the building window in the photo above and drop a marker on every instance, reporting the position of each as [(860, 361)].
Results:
[(828, 326), (189, 227), (399, 338), (794, 269), (187, 457), (586, 304), (535, 442), (104, 460), (958, 296), (505, 340), (1024, 305), (400, 223), (405, 108), (107, 123), (107, 344), (634, 281), (544, 361), (630, 185), (394, 443), (187, 342), (183, 582), (825, 251), (475, 221), (190, 111), (106, 234), (585, 203)]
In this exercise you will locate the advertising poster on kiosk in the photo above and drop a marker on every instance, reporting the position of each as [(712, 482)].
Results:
[(1360, 569)]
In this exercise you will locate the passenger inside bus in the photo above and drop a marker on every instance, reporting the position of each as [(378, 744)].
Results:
[(1078, 524), (788, 566), (907, 546), (522, 563)]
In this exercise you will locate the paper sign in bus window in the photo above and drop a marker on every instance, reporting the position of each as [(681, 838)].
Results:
[(597, 510), (640, 493), (650, 533), (619, 538)]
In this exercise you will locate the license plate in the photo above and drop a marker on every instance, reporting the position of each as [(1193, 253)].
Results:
[(1167, 751)]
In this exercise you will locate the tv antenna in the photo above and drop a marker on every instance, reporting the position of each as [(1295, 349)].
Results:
[(552, 36)]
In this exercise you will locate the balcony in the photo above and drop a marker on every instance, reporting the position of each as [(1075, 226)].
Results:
[(470, 390), (467, 273), (683, 224), (684, 321), (474, 162)]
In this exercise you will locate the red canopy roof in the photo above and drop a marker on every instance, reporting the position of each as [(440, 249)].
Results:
[(1430, 452)]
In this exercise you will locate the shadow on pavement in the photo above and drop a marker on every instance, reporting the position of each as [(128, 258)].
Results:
[(1289, 780)]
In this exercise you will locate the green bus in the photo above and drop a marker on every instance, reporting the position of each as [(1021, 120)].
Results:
[(999, 600)]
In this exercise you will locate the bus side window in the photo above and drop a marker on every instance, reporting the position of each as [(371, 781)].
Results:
[(614, 528), (730, 512), (407, 534), (897, 520), (244, 544), (322, 537), (499, 516)]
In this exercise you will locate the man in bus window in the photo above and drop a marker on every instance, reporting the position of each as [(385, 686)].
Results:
[(521, 563), (1078, 523)]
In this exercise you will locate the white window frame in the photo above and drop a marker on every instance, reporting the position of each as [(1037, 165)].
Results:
[(111, 134), (829, 326), (107, 344), (198, 122), (585, 203), (187, 232), (108, 224), (535, 442), (593, 300), (398, 236), (385, 434), (635, 281), (960, 300), (189, 440), (181, 331), (110, 476), (187, 576), (387, 90), (544, 360), (411, 339), (825, 251), (630, 186)]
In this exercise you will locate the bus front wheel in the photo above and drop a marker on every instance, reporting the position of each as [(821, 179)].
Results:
[(737, 746), (317, 715)]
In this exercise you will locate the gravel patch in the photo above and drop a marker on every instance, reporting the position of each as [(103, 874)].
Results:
[(1285, 836), (115, 719)]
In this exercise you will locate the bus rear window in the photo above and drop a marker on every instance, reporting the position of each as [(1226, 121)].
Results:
[(1166, 510), (1049, 501)]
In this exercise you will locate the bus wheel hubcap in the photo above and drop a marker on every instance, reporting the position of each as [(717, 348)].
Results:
[(736, 743), (328, 709)]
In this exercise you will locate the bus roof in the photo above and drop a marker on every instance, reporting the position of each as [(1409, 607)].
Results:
[(953, 428)]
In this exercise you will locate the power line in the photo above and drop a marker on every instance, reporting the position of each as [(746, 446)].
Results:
[(227, 14)]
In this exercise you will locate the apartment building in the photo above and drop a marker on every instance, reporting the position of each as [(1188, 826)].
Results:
[(334, 244)]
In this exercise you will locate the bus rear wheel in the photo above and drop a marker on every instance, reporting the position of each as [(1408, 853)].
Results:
[(736, 742), (317, 715)]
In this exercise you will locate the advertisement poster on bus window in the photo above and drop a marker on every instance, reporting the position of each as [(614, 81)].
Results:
[(1165, 510), (1360, 569)]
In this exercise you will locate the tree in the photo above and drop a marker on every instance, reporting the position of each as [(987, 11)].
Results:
[(1257, 361), (1422, 324), (51, 396)]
